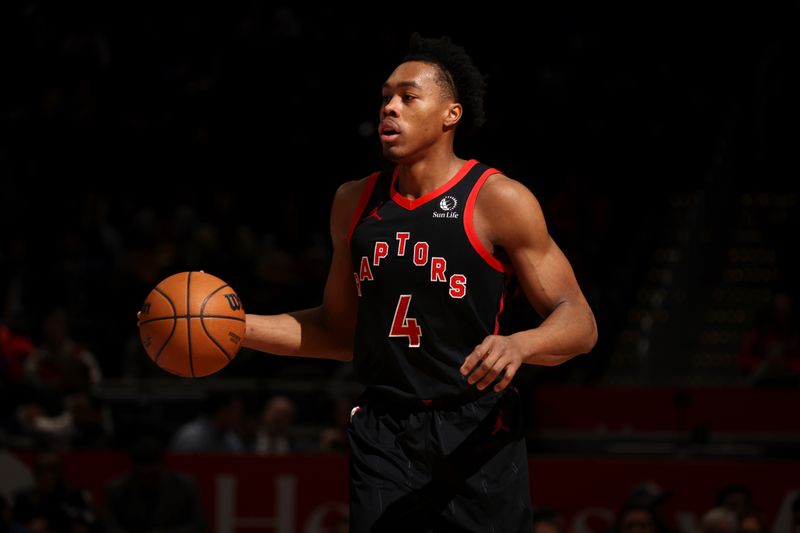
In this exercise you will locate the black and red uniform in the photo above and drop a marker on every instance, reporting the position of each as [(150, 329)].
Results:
[(430, 452)]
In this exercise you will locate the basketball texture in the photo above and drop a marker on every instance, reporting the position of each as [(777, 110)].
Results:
[(192, 324)]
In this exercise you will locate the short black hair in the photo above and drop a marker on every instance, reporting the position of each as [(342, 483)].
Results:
[(460, 76)]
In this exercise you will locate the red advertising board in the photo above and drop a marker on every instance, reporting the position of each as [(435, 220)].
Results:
[(245, 493)]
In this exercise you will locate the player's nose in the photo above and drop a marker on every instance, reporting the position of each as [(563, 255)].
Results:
[(389, 107)]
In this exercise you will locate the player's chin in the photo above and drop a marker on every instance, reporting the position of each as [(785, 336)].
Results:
[(392, 153)]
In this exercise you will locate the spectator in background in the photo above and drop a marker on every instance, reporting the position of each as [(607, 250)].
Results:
[(734, 497), (751, 521), (60, 363), (771, 351), (217, 427), (274, 432), (151, 497), (333, 438), (15, 349), (547, 520), (637, 518), (83, 424), (52, 505), (719, 520), (650, 495)]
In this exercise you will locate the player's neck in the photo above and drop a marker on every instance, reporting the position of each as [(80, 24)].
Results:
[(418, 178)]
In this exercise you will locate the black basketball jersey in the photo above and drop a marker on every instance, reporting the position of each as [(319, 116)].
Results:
[(429, 291)]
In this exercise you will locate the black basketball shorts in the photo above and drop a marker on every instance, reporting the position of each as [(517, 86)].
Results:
[(418, 468)]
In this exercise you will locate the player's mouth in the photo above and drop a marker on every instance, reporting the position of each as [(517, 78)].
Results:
[(388, 131)]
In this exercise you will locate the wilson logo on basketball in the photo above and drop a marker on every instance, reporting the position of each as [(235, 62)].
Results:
[(233, 301)]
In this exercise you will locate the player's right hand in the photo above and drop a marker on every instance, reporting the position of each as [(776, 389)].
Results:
[(496, 355)]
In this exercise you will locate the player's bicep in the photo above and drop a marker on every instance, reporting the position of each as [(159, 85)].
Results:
[(339, 304), (545, 275), (340, 297), (543, 271)]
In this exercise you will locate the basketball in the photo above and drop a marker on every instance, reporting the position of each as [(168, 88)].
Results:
[(192, 324)]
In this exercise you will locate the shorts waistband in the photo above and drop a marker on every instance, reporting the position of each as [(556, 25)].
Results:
[(391, 402)]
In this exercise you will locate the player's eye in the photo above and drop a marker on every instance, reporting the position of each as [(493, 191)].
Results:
[(408, 97)]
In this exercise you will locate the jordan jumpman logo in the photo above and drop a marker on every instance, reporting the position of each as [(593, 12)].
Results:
[(498, 424), (373, 213)]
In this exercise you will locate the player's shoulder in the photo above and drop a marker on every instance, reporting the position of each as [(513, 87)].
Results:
[(522, 218), (346, 200), (499, 189), (351, 191)]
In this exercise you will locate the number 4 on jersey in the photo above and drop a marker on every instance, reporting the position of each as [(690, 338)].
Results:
[(402, 326)]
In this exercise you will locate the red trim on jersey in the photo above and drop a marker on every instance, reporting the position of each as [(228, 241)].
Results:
[(362, 203), (409, 204), (469, 226), (502, 304)]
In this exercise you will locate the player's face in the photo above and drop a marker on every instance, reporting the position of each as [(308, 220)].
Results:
[(413, 111)]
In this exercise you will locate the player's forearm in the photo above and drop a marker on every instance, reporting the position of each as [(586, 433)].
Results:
[(301, 333), (568, 331)]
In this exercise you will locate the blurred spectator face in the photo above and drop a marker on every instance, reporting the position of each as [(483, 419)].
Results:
[(719, 520), (231, 415), (545, 527), (750, 524), (637, 521), (279, 414)]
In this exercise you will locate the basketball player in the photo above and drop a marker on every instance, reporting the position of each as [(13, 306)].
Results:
[(422, 257)]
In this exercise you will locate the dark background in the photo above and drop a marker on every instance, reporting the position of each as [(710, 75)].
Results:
[(142, 140)]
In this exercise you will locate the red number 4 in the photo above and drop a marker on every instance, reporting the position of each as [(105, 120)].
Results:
[(402, 326)]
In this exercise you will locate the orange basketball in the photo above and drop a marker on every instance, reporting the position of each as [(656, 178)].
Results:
[(192, 324)]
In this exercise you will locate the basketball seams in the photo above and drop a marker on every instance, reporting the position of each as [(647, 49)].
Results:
[(218, 345), (225, 317), (192, 316), (203, 317), (212, 293), (189, 322), (174, 323)]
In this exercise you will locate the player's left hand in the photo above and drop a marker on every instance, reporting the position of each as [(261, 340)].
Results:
[(495, 355)]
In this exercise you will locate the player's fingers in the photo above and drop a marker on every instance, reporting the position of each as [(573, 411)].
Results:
[(475, 357), (509, 375), (138, 317), (484, 367), (472, 359), (491, 374)]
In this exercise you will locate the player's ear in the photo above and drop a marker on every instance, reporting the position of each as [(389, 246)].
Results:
[(453, 114)]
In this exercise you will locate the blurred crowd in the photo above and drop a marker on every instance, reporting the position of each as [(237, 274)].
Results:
[(151, 496)]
